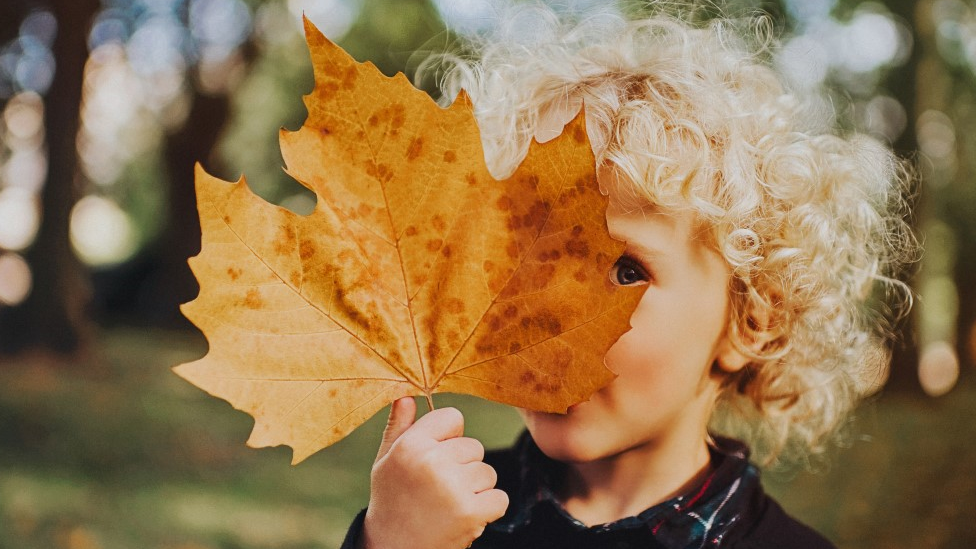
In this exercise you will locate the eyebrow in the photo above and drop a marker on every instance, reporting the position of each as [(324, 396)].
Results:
[(643, 252)]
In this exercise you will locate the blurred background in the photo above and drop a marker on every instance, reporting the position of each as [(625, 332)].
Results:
[(105, 105)]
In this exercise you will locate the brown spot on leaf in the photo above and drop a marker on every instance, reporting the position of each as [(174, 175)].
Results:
[(379, 171), (373, 120), (325, 131), (253, 299), (471, 179), (285, 242), (329, 88), (306, 250), (580, 276), (577, 230), (233, 273), (415, 148), (527, 377), (453, 305), (542, 275), (537, 215), (349, 77), (504, 203), (514, 347), (450, 157), (438, 223), (397, 117), (494, 322), (446, 251), (546, 321), (511, 311), (551, 255), (577, 248), (433, 349), (410, 231), (512, 250), (434, 244), (579, 135)]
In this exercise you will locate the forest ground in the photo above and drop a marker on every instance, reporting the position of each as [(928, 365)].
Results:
[(116, 452)]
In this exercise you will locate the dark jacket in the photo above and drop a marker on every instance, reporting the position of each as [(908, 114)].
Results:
[(729, 510)]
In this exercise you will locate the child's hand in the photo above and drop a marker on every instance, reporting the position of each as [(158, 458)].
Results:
[(430, 487)]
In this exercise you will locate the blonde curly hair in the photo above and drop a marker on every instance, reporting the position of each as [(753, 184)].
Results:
[(810, 221)]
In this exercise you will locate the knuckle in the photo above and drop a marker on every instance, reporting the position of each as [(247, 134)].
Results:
[(477, 446), (452, 416), (408, 445), (492, 476), (500, 504)]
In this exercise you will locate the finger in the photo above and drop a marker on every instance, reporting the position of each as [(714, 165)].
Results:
[(480, 476), (492, 503), (402, 414), (464, 449), (441, 424)]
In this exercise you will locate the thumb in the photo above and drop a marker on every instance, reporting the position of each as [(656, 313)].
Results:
[(402, 414)]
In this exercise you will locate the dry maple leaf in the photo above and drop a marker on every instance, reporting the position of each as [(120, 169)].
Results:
[(417, 272)]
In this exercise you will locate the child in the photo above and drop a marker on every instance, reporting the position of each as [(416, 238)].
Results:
[(759, 235)]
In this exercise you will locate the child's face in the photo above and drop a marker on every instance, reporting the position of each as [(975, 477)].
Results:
[(666, 385)]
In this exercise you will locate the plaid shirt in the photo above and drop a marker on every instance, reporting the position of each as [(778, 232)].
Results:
[(729, 509)]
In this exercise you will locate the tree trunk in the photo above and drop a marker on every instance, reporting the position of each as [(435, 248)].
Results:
[(53, 316), (903, 84), (171, 282)]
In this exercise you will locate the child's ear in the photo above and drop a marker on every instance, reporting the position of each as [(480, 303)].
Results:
[(756, 338), (729, 358)]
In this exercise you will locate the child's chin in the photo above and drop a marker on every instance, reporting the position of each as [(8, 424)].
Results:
[(560, 437)]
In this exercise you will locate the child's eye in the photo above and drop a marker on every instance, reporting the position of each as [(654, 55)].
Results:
[(627, 271)]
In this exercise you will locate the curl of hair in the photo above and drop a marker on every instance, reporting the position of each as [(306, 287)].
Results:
[(810, 221)]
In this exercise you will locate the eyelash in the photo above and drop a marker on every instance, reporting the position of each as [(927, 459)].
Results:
[(625, 264)]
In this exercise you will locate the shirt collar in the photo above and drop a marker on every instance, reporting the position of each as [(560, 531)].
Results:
[(705, 512)]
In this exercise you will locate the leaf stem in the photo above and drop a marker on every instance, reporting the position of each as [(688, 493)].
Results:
[(430, 402)]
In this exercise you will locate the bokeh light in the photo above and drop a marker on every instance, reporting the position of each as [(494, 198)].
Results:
[(20, 217), (333, 17), (23, 170), (102, 233), (882, 116), (938, 368), (15, 279), (936, 137), (469, 16)]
